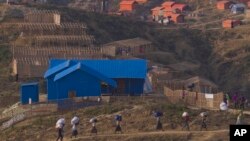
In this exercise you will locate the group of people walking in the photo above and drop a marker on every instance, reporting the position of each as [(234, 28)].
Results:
[(60, 127), (118, 118), (75, 122), (185, 119)]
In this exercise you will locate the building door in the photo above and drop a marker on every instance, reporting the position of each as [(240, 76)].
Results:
[(121, 86), (71, 94)]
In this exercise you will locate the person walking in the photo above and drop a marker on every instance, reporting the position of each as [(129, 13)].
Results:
[(235, 100), (185, 118), (59, 126), (158, 116), (203, 120), (118, 119), (74, 122), (93, 122)]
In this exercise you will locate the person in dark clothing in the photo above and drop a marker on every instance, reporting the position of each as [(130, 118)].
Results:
[(203, 121), (159, 125), (118, 128), (185, 118), (235, 100), (158, 116), (118, 119), (242, 102), (60, 134)]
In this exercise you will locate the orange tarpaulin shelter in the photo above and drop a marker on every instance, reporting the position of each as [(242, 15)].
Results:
[(222, 5), (179, 6), (176, 18), (127, 5), (168, 5), (157, 11), (230, 23)]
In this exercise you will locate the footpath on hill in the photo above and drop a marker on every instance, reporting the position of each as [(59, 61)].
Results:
[(138, 134)]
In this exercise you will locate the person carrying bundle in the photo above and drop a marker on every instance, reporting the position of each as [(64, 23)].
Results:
[(93, 121), (74, 122), (118, 119), (185, 118), (59, 126), (158, 115), (203, 120)]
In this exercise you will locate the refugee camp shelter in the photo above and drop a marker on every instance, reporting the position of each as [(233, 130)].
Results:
[(128, 5), (81, 78), (223, 5), (29, 93), (135, 46), (238, 8), (157, 12), (141, 1), (231, 23), (179, 7)]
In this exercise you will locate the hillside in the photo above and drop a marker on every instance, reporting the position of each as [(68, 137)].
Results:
[(222, 56), (208, 49), (176, 45), (230, 58), (138, 123)]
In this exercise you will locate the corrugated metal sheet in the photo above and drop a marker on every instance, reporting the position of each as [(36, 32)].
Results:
[(29, 90), (90, 71), (57, 68), (112, 68)]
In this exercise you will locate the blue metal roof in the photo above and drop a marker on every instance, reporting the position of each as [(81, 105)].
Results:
[(29, 84), (80, 66), (134, 68), (57, 68)]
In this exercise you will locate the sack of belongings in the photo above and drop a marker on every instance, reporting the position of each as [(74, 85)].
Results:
[(75, 120), (203, 114), (93, 120), (223, 106), (158, 114), (118, 117), (60, 123), (185, 114)]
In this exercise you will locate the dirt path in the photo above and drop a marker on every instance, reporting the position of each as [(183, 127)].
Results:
[(208, 134)]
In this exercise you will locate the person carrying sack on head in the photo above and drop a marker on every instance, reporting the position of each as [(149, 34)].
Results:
[(93, 122), (118, 119), (185, 118), (59, 126), (74, 122), (203, 120), (158, 116)]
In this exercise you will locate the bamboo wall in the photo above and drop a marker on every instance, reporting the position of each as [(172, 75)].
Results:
[(194, 98)]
